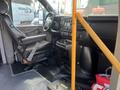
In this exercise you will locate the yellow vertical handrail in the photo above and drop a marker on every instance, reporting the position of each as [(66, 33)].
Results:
[(73, 58), (113, 60)]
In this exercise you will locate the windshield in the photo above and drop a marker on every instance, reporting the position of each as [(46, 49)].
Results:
[(86, 7)]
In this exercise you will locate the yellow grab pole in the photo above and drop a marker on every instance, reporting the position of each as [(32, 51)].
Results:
[(73, 58), (99, 42)]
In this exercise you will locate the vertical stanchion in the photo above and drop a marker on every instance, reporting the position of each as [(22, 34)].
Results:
[(73, 59)]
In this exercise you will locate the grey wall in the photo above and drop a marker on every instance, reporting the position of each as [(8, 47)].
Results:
[(115, 79)]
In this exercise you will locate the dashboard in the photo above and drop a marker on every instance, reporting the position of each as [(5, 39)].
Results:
[(64, 24)]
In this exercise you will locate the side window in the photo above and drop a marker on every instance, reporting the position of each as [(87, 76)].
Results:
[(27, 12), (101, 7)]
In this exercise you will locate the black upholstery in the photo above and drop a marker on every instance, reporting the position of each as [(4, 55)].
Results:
[(86, 60), (22, 42)]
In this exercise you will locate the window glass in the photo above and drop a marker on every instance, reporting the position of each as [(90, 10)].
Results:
[(27, 12), (104, 2), (87, 7)]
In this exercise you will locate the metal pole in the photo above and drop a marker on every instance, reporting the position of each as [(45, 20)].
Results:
[(73, 61)]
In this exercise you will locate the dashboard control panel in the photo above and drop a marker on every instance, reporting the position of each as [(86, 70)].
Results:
[(64, 24)]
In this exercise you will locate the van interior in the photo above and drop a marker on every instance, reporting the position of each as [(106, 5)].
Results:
[(45, 44)]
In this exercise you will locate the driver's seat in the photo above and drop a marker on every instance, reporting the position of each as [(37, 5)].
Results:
[(25, 48)]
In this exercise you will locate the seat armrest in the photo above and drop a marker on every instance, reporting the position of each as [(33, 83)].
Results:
[(33, 39)]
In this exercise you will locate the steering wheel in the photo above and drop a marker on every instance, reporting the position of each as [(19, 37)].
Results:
[(48, 21)]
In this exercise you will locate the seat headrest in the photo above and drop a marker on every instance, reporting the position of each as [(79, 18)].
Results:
[(3, 7)]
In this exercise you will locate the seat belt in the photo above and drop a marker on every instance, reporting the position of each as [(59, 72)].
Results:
[(33, 52), (37, 45)]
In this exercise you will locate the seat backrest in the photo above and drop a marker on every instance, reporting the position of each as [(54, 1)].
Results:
[(6, 22)]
